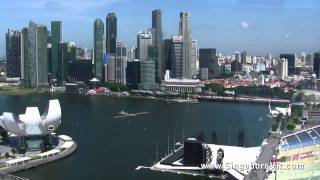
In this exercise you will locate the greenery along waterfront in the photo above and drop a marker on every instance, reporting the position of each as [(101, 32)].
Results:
[(263, 91)]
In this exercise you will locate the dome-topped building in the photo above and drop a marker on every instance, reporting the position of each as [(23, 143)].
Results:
[(306, 97)]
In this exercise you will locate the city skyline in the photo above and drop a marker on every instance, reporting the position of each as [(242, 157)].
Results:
[(231, 26)]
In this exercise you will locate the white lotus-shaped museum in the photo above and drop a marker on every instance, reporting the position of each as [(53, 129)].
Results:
[(31, 123)]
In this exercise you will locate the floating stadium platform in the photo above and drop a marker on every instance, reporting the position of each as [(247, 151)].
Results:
[(299, 155)]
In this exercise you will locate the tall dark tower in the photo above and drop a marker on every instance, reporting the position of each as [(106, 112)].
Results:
[(111, 33), (98, 30), (56, 39), (157, 26), (316, 64), (13, 53)]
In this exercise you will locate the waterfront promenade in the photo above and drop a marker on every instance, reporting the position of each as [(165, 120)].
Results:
[(65, 148), (242, 99)]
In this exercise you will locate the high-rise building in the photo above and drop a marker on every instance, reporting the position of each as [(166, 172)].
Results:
[(13, 53), (80, 70), (244, 57), (185, 32), (38, 68), (147, 75), (316, 64), (282, 68), (292, 63), (132, 54), (309, 60), (236, 66), (167, 45), (111, 68), (208, 59), (133, 73), (121, 63), (24, 56), (111, 33), (56, 39), (157, 39), (176, 57), (98, 29), (237, 56), (144, 40), (194, 57), (67, 54)]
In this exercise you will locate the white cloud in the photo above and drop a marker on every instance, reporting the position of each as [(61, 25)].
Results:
[(245, 25), (287, 36)]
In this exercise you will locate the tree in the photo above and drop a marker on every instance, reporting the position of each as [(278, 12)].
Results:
[(217, 88)]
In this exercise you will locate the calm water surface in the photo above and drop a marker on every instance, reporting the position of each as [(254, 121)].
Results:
[(110, 148)]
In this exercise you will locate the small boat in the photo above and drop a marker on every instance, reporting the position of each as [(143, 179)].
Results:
[(123, 113)]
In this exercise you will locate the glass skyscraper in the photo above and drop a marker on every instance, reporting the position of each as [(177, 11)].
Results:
[(13, 53), (157, 36), (185, 32), (98, 48), (111, 33), (56, 61), (38, 68)]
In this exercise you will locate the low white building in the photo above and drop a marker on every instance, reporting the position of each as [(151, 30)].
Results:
[(180, 84)]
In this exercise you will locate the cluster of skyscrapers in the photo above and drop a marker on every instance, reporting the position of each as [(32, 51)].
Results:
[(39, 57)]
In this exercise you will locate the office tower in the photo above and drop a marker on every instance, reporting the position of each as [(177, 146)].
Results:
[(244, 57), (204, 73), (303, 57), (153, 55), (237, 56), (111, 68), (282, 68), (185, 32), (38, 68), (67, 54), (144, 40), (111, 33), (309, 60), (316, 64), (147, 75), (98, 29), (133, 73), (292, 62), (236, 67), (80, 70), (24, 56), (208, 59), (49, 55), (132, 54), (56, 39), (194, 57), (13, 53), (157, 39), (121, 63), (167, 45), (176, 57)]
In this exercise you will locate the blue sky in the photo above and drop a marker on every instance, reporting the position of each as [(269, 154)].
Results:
[(258, 26)]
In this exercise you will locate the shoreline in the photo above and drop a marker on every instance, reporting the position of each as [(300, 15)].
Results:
[(208, 98)]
